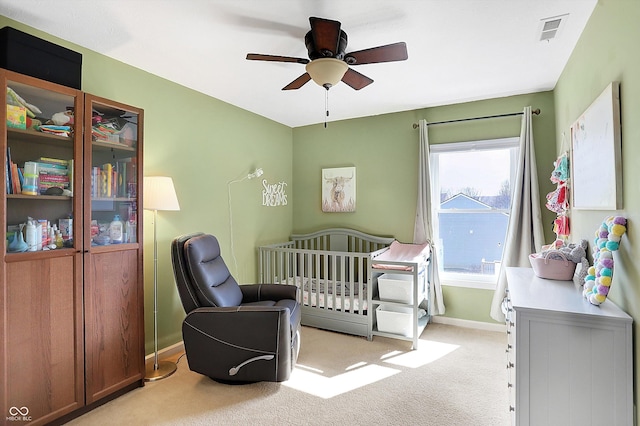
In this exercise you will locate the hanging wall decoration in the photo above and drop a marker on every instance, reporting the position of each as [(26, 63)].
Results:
[(558, 200), (600, 275), (596, 154), (274, 195), (339, 190)]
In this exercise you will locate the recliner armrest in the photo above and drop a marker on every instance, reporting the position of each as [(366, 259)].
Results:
[(260, 292)]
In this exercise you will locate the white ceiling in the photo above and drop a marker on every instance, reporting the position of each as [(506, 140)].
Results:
[(459, 50)]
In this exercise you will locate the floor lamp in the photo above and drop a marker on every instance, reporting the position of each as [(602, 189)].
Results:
[(159, 194)]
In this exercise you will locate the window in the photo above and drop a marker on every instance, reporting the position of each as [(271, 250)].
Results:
[(471, 193)]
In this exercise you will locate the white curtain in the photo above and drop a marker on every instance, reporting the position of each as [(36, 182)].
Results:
[(422, 231), (525, 233)]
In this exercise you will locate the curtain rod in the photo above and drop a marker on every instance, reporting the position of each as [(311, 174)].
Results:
[(535, 111)]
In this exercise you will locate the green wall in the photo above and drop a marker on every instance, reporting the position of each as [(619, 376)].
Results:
[(608, 51), (384, 150), (203, 143)]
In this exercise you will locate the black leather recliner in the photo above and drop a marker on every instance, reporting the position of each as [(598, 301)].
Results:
[(233, 333)]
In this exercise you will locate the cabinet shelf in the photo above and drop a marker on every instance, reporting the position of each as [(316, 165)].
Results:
[(39, 197), (40, 254), (108, 146), (125, 199), (32, 136)]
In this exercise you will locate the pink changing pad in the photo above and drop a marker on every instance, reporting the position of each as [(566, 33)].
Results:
[(402, 252)]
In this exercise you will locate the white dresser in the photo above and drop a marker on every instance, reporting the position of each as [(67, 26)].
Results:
[(569, 362)]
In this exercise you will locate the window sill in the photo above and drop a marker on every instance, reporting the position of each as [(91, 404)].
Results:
[(482, 285)]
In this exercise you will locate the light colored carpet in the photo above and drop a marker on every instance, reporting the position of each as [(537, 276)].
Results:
[(456, 377)]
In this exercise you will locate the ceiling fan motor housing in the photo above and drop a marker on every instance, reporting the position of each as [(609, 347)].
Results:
[(326, 53)]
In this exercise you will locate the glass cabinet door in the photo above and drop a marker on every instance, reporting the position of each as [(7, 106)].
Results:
[(113, 171), (41, 333), (113, 278), (42, 151)]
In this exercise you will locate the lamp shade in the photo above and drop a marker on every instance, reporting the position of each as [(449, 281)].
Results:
[(327, 72), (159, 193)]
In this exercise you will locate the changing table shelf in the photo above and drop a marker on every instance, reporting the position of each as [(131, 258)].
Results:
[(396, 313)]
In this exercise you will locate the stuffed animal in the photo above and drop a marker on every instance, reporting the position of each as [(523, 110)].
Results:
[(575, 252), (62, 118), (599, 277)]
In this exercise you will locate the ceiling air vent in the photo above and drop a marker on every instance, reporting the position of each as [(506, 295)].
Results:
[(550, 27)]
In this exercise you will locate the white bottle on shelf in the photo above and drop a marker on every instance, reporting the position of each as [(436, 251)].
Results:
[(32, 242), (116, 230), (131, 231)]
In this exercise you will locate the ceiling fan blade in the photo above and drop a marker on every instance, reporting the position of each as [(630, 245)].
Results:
[(298, 82), (388, 53), (356, 80), (275, 58), (326, 36)]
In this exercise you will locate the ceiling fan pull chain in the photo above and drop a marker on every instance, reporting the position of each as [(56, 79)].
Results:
[(326, 106)]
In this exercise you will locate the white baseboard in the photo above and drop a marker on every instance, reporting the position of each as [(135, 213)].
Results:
[(167, 352), (469, 324)]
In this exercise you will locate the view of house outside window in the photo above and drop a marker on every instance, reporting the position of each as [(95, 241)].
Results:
[(472, 184)]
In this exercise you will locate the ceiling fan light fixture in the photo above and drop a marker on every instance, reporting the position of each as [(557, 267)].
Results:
[(327, 72)]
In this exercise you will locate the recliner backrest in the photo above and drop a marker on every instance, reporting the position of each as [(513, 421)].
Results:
[(183, 282), (209, 276)]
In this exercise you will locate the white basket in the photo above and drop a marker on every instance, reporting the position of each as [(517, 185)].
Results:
[(395, 319), (396, 288), (553, 269)]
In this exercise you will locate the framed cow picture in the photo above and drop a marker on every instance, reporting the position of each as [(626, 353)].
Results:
[(339, 190)]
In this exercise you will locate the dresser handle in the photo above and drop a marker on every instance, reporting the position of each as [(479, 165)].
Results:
[(509, 385), (512, 408), (510, 365)]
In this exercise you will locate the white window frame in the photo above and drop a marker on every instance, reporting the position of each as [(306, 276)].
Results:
[(453, 279)]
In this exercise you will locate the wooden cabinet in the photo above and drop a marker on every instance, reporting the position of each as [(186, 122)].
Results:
[(570, 362), (71, 323)]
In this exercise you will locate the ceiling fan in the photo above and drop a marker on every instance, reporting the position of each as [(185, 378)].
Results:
[(328, 63)]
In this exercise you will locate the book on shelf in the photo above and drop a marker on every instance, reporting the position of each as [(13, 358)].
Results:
[(16, 187), (20, 177), (7, 171), (13, 176), (113, 180), (51, 160), (54, 172)]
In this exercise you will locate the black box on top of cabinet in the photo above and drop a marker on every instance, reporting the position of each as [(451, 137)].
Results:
[(33, 56)]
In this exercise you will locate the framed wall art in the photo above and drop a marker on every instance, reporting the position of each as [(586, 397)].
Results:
[(596, 166), (339, 190)]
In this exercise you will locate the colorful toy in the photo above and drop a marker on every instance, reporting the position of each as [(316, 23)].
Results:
[(599, 276)]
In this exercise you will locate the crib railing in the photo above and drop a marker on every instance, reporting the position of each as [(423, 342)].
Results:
[(329, 279)]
